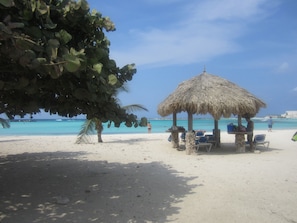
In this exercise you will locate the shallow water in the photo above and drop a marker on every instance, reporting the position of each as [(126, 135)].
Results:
[(73, 126)]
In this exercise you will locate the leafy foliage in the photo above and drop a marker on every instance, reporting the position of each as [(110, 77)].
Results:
[(90, 125), (54, 55), (5, 123), (87, 128)]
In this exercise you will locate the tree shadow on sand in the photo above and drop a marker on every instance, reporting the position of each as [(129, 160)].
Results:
[(229, 149), (63, 187)]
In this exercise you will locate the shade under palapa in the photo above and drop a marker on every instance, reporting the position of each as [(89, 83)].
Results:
[(207, 93)]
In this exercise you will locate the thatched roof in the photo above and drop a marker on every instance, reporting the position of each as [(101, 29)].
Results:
[(207, 93)]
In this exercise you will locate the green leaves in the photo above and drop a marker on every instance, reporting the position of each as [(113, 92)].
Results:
[(5, 123), (52, 48), (64, 36), (98, 67), (87, 129), (72, 63), (112, 79), (42, 8), (55, 56), (73, 60), (7, 3)]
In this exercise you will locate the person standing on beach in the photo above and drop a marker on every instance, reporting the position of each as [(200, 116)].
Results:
[(149, 127), (270, 123), (250, 130)]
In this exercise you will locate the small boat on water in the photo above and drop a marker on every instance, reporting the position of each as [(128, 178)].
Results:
[(265, 119)]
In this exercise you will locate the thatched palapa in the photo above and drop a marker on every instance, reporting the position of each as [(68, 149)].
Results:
[(207, 93)]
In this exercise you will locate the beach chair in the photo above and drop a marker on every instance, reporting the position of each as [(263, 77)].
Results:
[(200, 133), (259, 140), (183, 136), (202, 142)]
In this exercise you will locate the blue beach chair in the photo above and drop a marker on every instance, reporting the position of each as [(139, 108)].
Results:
[(259, 140)]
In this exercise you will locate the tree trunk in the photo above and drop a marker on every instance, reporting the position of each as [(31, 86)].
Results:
[(99, 128)]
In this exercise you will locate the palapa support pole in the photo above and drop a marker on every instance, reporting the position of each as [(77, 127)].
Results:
[(239, 120), (174, 119), (190, 136), (240, 139), (190, 121), (217, 133), (174, 133), (190, 142), (240, 143)]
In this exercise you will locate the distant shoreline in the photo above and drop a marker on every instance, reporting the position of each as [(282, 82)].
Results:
[(73, 126), (151, 119)]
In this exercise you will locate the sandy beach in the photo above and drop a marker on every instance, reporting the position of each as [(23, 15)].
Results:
[(141, 178)]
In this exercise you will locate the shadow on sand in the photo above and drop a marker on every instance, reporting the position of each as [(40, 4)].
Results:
[(228, 149), (63, 187)]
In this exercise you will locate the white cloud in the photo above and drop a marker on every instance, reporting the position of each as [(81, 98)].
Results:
[(295, 89), (230, 9), (180, 46), (158, 2), (283, 67), (200, 31)]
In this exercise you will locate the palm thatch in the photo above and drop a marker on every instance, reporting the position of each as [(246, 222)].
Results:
[(207, 93)]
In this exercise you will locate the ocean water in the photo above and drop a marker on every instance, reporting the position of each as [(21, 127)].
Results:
[(73, 126)]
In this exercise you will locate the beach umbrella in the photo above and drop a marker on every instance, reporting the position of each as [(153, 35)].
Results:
[(207, 93)]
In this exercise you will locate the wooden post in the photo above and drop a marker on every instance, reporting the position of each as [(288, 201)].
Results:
[(240, 143), (217, 133), (190, 142), (174, 139), (174, 133), (239, 120), (190, 136), (174, 119), (190, 121)]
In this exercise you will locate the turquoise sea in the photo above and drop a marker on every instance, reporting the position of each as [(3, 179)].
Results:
[(73, 126)]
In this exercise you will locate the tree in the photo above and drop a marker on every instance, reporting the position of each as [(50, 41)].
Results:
[(90, 125), (54, 55)]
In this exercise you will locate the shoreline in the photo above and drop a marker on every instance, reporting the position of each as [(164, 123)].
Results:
[(54, 128), (276, 138), (223, 131), (141, 178)]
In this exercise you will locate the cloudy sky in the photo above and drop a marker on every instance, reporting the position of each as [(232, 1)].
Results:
[(252, 43)]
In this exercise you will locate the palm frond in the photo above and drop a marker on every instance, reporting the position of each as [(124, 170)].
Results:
[(87, 128), (5, 123), (123, 88), (134, 107)]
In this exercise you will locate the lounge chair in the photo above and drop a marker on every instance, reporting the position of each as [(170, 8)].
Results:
[(259, 140), (202, 142), (183, 136), (199, 133)]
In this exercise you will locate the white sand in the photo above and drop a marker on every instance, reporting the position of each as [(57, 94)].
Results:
[(141, 178)]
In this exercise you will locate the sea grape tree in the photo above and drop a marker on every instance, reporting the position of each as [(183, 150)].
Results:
[(54, 55)]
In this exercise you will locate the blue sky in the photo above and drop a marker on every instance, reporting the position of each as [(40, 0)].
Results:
[(252, 43)]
